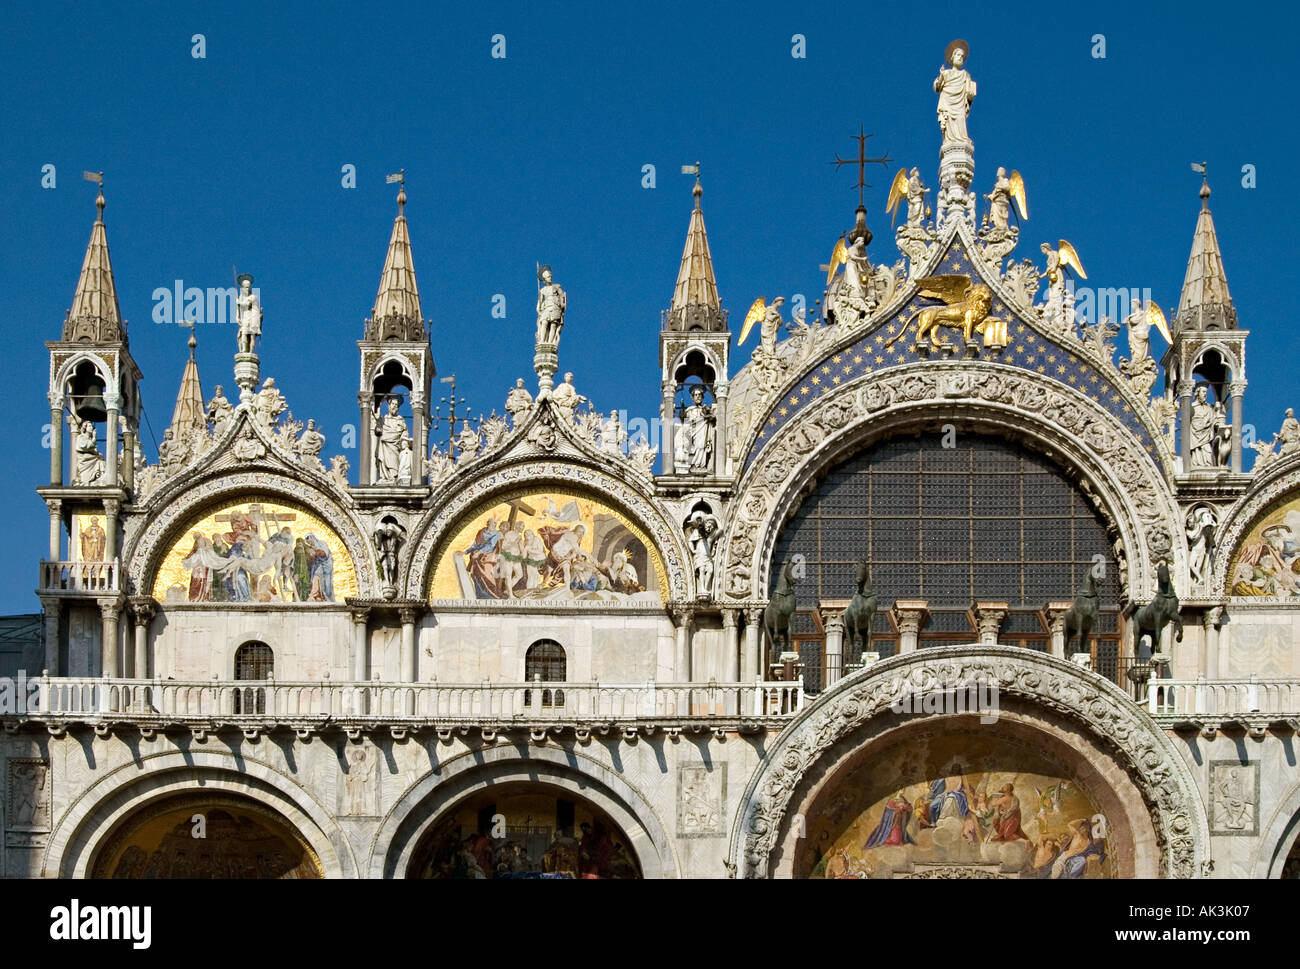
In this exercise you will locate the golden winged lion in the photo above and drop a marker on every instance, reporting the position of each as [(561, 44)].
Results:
[(965, 306)]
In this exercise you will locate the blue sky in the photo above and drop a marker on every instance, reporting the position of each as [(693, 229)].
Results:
[(236, 158)]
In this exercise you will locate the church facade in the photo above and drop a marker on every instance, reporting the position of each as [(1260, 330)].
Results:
[(938, 584)]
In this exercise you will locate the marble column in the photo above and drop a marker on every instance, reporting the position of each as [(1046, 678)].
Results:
[(366, 474), (143, 611), (682, 620), (1185, 425), (51, 606), (666, 418), (834, 623), (1211, 620), (408, 616), (110, 527), (56, 440), (128, 457), (360, 645), (110, 444), (56, 531), (731, 643), (910, 616), (108, 611), (421, 421), (990, 616), (720, 394), (1237, 390), (1055, 612), (752, 661)]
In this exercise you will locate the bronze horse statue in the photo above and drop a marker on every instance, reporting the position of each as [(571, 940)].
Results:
[(777, 615), (861, 611), (1081, 618), (1151, 619)]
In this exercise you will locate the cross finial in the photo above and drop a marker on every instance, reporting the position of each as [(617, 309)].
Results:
[(861, 161)]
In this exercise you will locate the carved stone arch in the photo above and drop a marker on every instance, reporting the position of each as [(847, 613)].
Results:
[(1123, 742), (710, 359), (569, 472), (65, 370), (91, 818), (391, 356), (1278, 481), (1277, 838), (958, 241), (420, 806), (149, 537), (1073, 430), (1229, 358)]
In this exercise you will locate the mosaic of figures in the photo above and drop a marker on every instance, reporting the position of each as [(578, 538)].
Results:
[(257, 551), (547, 545), (959, 803), (525, 835), (237, 840), (1268, 562)]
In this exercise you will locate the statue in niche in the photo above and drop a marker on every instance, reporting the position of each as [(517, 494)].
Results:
[(1209, 430), (956, 91), (249, 312), (701, 532), (405, 462), (389, 537), (390, 431), (697, 434), (551, 303), (87, 462), (1201, 523)]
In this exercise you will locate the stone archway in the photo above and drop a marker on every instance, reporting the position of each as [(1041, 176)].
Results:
[(99, 815), (205, 835), (413, 819), (437, 525), (149, 539), (1279, 840), (1119, 755), (1082, 436)]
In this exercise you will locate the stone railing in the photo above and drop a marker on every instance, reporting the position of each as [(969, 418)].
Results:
[(1251, 696), (79, 578), (92, 698)]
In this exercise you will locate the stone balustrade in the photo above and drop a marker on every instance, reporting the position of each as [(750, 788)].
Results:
[(79, 578), (95, 698), (1251, 696)]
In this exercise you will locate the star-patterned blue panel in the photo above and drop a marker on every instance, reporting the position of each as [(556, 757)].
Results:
[(1026, 348)]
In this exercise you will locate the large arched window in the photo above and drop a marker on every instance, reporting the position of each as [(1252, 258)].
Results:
[(952, 520), (253, 661), (545, 661)]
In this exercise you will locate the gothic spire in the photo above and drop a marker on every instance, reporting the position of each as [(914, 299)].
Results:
[(1205, 303), (695, 299), (397, 314), (189, 414), (95, 316)]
